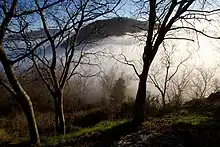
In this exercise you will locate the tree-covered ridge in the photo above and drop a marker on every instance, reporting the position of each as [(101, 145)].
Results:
[(101, 29)]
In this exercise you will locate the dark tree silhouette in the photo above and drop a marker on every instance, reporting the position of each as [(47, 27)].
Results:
[(164, 14), (10, 11)]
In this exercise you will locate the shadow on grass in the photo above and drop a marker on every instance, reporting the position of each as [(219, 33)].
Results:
[(110, 136), (181, 134), (103, 138), (204, 134)]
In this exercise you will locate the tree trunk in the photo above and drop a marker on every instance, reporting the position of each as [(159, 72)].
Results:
[(22, 98), (27, 107), (163, 101), (56, 115), (59, 113), (139, 111)]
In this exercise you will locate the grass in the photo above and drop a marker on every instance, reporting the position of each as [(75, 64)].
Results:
[(193, 119), (160, 123), (190, 130), (102, 132), (80, 133), (4, 137)]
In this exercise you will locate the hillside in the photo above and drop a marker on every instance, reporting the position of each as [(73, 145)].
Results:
[(194, 124), (32, 34), (96, 30), (111, 27), (101, 29)]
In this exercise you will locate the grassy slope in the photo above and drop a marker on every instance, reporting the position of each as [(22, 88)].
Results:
[(88, 136), (81, 133), (171, 130), (194, 128)]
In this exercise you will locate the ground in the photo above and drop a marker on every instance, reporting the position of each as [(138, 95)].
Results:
[(177, 131)]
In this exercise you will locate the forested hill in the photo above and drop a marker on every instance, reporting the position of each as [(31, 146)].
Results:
[(112, 27), (117, 26), (99, 29)]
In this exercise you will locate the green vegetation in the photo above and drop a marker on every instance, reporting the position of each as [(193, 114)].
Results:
[(158, 123), (96, 128), (4, 137), (81, 132), (165, 125), (193, 119)]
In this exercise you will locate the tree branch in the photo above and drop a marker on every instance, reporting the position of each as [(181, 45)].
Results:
[(7, 87)]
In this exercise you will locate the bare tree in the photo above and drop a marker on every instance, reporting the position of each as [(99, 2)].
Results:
[(107, 82), (163, 80), (177, 89), (11, 11), (59, 67), (216, 85), (163, 14), (201, 83)]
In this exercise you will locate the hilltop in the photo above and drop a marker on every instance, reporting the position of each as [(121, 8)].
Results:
[(101, 29)]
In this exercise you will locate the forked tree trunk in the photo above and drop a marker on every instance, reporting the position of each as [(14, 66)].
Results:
[(152, 44), (22, 98), (139, 110), (59, 113)]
